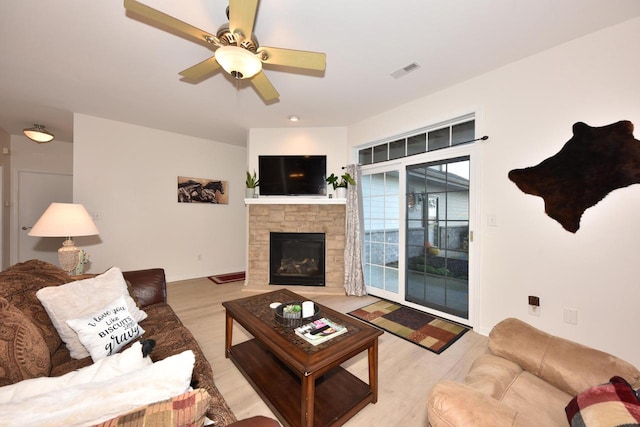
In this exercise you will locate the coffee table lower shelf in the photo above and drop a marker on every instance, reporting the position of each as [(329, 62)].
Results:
[(339, 395)]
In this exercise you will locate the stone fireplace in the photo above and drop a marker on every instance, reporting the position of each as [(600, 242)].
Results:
[(326, 217)]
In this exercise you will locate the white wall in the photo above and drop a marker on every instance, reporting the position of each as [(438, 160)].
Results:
[(329, 141), (128, 174), (528, 109), (55, 156)]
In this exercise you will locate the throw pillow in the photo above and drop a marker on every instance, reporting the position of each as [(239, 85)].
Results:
[(611, 404), (23, 352), (130, 360), (186, 410), (96, 402), (82, 297), (105, 331)]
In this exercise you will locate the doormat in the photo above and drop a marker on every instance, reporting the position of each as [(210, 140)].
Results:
[(427, 331), (227, 278)]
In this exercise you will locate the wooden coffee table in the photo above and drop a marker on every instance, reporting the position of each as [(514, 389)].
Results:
[(304, 385)]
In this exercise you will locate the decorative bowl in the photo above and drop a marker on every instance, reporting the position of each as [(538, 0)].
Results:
[(290, 319)]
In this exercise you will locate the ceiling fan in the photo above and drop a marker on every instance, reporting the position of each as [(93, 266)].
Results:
[(236, 48)]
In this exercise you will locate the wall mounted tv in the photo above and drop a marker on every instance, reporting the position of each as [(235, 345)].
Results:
[(292, 175)]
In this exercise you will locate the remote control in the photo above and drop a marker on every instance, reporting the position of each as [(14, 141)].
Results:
[(317, 331)]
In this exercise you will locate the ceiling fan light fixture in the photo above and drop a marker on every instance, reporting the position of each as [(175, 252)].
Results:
[(38, 134), (238, 62)]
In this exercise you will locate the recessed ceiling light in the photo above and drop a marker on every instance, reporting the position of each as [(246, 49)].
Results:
[(293, 118)]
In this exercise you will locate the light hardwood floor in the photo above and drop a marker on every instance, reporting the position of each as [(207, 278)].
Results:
[(406, 371)]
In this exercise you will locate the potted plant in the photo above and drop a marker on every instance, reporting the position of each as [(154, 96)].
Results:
[(252, 182), (340, 184)]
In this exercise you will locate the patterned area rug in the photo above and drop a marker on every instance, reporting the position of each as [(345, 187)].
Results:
[(431, 332), (227, 278)]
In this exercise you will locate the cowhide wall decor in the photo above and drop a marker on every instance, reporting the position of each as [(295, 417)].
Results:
[(593, 163)]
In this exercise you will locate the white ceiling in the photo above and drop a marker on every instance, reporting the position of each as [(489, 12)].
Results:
[(90, 57)]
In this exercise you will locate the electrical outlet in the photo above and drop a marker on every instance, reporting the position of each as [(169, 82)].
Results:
[(534, 305), (571, 316)]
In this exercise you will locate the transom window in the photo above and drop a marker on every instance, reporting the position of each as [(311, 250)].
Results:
[(460, 131)]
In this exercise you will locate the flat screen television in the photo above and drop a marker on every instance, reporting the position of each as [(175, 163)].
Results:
[(292, 175)]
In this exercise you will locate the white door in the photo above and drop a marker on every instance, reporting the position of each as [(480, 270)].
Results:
[(36, 191)]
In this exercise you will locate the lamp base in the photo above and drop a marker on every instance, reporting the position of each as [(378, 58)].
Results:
[(68, 256)]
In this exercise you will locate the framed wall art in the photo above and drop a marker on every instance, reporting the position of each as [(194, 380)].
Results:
[(202, 190)]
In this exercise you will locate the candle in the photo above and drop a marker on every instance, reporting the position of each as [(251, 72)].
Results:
[(307, 309)]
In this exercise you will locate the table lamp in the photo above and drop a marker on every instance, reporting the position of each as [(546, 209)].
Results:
[(65, 220)]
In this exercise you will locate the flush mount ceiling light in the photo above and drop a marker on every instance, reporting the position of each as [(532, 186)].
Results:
[(293, 118), (38, 134), (239, 62)]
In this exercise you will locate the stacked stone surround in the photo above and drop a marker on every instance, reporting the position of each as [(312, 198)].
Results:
[(296, 218)]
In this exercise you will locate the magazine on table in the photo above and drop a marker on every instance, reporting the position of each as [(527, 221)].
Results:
[(320, 330)]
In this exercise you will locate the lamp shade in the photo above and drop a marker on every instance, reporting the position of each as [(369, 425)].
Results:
[(38, 134), (238, 62), (64, 220)]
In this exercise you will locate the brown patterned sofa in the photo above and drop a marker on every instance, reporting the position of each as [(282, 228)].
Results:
[(18, 287)]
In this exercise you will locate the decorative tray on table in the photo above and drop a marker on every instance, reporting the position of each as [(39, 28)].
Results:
[(290, 314)]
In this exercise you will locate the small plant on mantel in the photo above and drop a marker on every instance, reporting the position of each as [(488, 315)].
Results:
[(252, 180), (343, 181)]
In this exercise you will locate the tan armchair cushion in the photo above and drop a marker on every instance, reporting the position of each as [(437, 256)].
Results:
[(492, 375), (455, 404)]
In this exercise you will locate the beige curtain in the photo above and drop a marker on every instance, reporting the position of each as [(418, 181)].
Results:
[(353, 272)]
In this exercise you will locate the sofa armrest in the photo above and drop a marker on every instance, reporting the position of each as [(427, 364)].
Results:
[(569, 366), (455, 404), (257, 421), (149, 286)]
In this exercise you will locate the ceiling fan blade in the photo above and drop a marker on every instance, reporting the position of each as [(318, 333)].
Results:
[(163, 19), (201, 70), (242, 15), (264, 87), (293, 58)]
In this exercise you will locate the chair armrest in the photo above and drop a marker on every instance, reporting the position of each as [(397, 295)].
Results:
[(149, 286), (455, 404), (569, 366)]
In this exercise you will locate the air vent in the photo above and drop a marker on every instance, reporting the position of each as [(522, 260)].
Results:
[(405, 70)]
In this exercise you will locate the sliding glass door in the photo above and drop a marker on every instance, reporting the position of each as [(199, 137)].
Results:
[(417, 232), (437, 243), (418, 197)]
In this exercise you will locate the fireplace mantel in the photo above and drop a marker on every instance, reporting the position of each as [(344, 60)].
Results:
[(294, 200)]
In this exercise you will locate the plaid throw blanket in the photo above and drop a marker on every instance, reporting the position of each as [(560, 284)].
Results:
[(611, 404)]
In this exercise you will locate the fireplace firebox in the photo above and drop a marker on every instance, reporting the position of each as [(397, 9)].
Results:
[(297, 259)]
